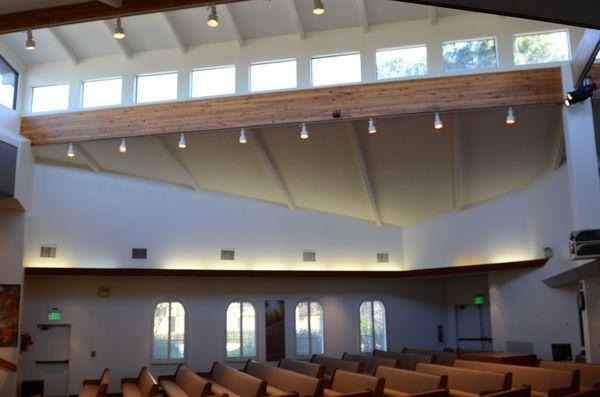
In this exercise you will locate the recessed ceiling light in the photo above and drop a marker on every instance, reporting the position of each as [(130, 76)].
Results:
[(437, 123), (30, 42), (303, 131), (372, 127), (213, 18), (318, 7), (119, 33), (123, 146)]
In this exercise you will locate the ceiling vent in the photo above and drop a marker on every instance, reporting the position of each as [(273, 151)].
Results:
[(383, 257), (227, 255), (139, 253), (309, 256), (48, 252)]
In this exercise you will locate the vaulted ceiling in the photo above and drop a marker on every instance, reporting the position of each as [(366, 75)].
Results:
[(405, 173)]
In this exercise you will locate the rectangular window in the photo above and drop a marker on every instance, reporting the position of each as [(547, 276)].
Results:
[(8, 84), (401, 62), (213, 81), (269, 76), (50, 98), (469, 55), (156, 87), (543, 47), (104, 92), (336, 69)]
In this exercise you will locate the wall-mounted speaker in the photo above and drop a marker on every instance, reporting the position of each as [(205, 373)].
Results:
[(8, 169), (440, 333)]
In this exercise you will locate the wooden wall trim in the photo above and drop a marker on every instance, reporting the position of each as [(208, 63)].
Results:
[(432, 272), (7, 365), (440, 94)]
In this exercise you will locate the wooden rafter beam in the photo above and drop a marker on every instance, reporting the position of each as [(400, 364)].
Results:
[(92, 11), (233, 26), (585, 55), (173, 32), (64, 47), (362, 14), (296, 19), (441, 94), (89, 160)]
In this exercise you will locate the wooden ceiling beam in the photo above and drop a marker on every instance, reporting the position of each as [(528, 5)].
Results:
[(585, 55), (92, 11), (386, 99)]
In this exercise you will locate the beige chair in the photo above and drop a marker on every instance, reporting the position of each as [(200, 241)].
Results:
[(407, 360), (543, 382), (284, 383), (403, 383), (330, 364), (352, 384), (233, 383), (370, 362), (143, 386), (185, 383), (96, 387), (467, 382), (589, 373), (302, 367)]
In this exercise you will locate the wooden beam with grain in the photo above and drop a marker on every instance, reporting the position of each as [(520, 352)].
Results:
[(406, 97)]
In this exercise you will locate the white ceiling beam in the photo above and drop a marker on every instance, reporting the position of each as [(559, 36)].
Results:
[(12, 58), (89, 160), (255, 142), (559, 144), (112, 3), (296, 19), (432, 15), (119, 44), (173, 152), (457, 175), (364, 173), (235, 31), (362, 13), (173, 32), (64, 47)]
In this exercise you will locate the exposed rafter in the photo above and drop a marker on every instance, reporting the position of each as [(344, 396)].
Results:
[(64, 47), (432, 15), (457, 177), (173, 32), (88, 158), (585, 55), (254, 140), (559, 143), (112, 3), (235, 31), (362, 13), (364, 173), (184, 168), (11, 57), (296, 19), (119, 44)]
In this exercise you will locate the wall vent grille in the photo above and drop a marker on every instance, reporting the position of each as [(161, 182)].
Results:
[(309, 256), (383, 257), (139, 253), (227, 255), (48, 252)]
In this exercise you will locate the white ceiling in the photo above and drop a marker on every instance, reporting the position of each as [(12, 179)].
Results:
[(412, 169), (253, 19)]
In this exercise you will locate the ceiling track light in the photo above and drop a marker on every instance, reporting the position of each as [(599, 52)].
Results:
[(182, 144), (510, 116), (303, 131), (213, 17), (583, 92), (71, 151), (30, 42), (123, 146), (318, 7), (243, 138), (119, 33), (372, 127), (437, 123)]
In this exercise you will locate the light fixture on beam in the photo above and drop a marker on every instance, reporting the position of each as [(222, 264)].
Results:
[(318, 7), (213, 17), (510, 116), (303, 131), (583, 92), (182, 144), (71, 151), (372, 127), (30, 42), (243, 138), (119, 33), (123, 146), (437, 123)]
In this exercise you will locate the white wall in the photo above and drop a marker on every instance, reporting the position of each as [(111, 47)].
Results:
[(337, 41), (119, 328), (462, 291)]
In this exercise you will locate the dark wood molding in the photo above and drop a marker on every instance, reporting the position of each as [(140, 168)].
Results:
[(432, 272), (92, 11), (8, 365), (527, 87), (585, 55)]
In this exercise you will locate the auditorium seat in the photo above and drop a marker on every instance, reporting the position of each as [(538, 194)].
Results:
[(403, 383), (284, 383), (369, 362), (233, 383), (468, 382), (589, 373), (143, 386), (185, 383), (96, 387), (352, 384), (302, 367), (441, 357), (407, 360), (331, 364)]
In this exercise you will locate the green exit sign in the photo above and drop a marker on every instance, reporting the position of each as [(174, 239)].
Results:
[(54, 315), (479, 299)]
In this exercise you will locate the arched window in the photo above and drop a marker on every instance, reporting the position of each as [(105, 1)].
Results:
[(373, 334), (241, 330), (309, 328), (168, 342)]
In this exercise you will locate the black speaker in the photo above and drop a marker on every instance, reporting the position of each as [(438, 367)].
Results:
[(31, 388), (440, 333), (562, 352), (8, 169)]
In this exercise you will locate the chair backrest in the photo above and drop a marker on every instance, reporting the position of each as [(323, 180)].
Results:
[(590, 373), (468, 380), (441, 357), (104, 379), (330, 364), (348, 382), (191, 383), (369, 362), (236, 381), (540, 379), (146, 383), (410, 382), (407, 360), (283, 379), (302, 367)]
